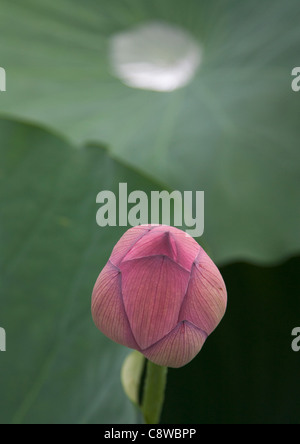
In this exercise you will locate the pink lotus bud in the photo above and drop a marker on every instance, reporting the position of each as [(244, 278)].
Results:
[(160, 294)]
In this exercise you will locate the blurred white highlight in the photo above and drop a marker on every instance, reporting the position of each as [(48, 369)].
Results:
[(155, 56)]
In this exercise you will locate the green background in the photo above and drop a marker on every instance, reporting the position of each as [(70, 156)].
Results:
[(69, 129)]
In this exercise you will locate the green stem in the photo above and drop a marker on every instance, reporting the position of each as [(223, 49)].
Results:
[(154, 392)]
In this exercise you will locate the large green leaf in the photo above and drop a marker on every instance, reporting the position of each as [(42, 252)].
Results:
[(58, 368), (233, 132)]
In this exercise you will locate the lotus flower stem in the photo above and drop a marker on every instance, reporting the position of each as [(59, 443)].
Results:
[(154, 392)]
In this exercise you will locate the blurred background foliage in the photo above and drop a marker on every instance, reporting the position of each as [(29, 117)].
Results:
[(69, 129), (247, 371)]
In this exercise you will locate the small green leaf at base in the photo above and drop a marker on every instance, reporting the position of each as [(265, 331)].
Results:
[(131, 375)]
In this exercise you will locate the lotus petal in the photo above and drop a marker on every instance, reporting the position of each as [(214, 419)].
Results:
[(178, 348), (206, 297), (154, 243), (108, 308), (127, 242), (153, 290)]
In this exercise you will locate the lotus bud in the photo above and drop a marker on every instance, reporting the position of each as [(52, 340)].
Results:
[(159, 294)]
